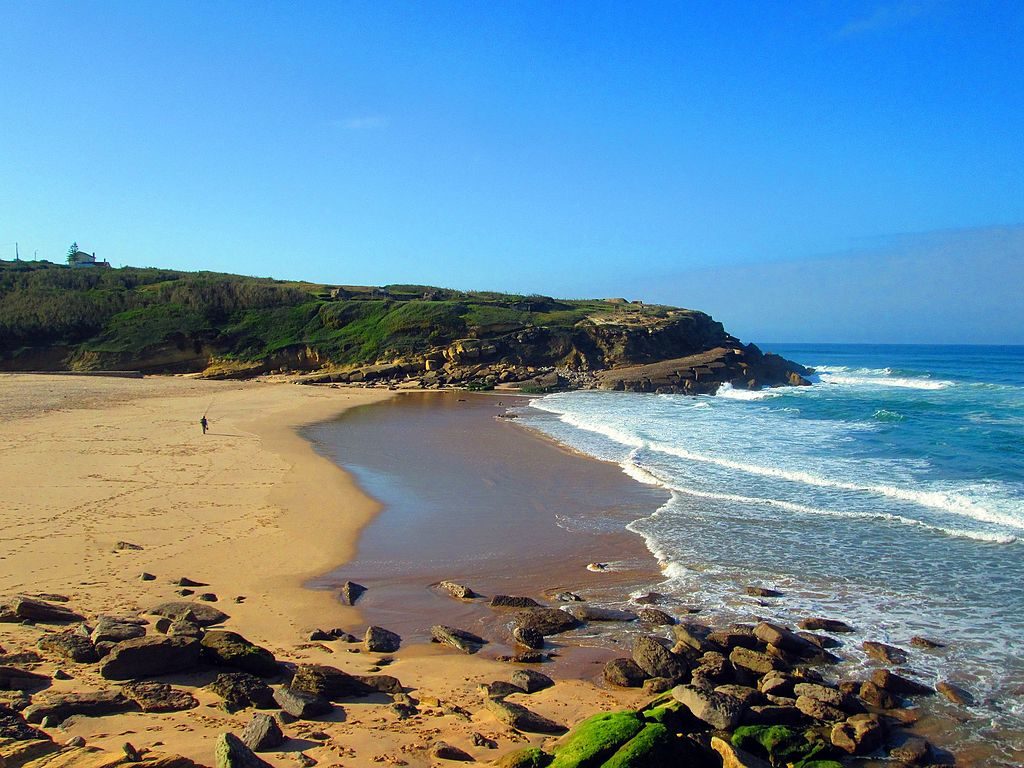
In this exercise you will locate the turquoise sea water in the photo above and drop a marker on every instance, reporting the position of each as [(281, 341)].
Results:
[(890, 494)]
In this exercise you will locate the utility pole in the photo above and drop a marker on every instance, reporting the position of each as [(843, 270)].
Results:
[(16, 256)]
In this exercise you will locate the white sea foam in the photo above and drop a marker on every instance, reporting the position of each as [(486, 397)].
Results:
[(884, 381), (730, 393)]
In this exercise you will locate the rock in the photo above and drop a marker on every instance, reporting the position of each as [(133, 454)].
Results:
[(898, 684), (185, 581), (185, 592), (14, 727), (115, 630), (459, 639), (185, 628), (546, 621), (529, 637), (301, 705), (20, 608), (378, 684), (776, 684), (530, 680), (479, 740), (150, 656), (443, 751), (144, 576), (240, 690), (693, 636), (876, 696), (198, 613), (350, 592), (457, 590), (526, 657), (14, 679), (159, 697), (499, 689), (742, 693), (823, 642), (818, 624), (334, 685), (380, 640), (736, 637), (60, 674), (262, 733), (122, 546), (733, 757), (923, 642), (75, 741), (762, 592), (625, 673), (520, 718), (773, 714), (656, 661), (592, 613), (955, 694), (889, 654), (59, 707), (859, 735), (913, 751), (754, 661), (231, 752), (780, 637), (655, 617), (70, 646), (511, 601), (822, 693), (819, 710), (717, 710), (654, 685), (207, 597), (229, 649)]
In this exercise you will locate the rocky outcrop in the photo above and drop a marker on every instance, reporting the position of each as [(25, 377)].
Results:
[(229, 649), (150, 656)]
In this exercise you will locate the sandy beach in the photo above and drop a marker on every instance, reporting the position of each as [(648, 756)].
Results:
[(249, 509)]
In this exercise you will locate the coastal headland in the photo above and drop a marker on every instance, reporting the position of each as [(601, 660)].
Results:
[(117, 508)]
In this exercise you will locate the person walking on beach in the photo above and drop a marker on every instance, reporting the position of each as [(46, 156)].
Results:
[(204, 424)]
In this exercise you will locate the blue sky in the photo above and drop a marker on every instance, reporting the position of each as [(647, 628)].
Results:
[(575, 149)]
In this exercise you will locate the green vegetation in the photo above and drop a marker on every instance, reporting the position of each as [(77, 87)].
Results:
[(781, 745), (596, 739)]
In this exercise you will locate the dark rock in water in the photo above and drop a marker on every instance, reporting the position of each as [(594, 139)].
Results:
[(923, 642), (822, 642), (20, 608), (114, 630), (262, 733), (59, 707), (818, 624), (511, 601), (889, 654), (14, 679), (593, 613), (898, 684), (159, 697), (546, 621), (717, 710), (69, 645), (859, 735), (530, 680), (302, 705), (654, 659), (762, 592), (198, 613), (955, 694), (531, 638), (350, 592), (241, 690), (876, 696), (231, 752), (459, 639), (150, 656), (14, 727), (568, 597), (781, 637), (185, 581), (754, 661), (520, 718), (649, 599), (380, 640), (913, 751), (654, 617), (624, 673), (444, 751), (229, 649), (457, 590), (819, 710)]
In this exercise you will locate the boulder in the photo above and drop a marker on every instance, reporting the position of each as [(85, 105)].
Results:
[(773, 714), (115, 630), (69, 645), (21, 608), (734, 757), (742, 693), (593, 613), (955, 694), (655, 617), (822, 693), (717, 710), (654, 685), (754, 661), (499, 689), (737, 637), (656, 661), (334, 685), (14, 679), (301, 705), (913, 751), (442, 750), (230, 752), (529, 637), (379, 684), (262, 733), (859, 735), (198, 613), (898, 684), (781, 637), (520, 718), (185, 628), (159, 697), (459, 639), (529, 757), (150, 656), (512, 601), (824, 642), (240, 690), (818, 624), (380, 640), (530, 680), (14, 727), (816, 709), (457, 590), (875, 696), (926, 643), (888, 654), (59, 707), (762, 592), (693, 636), (229, 649), (625, 673), (546, 621), (350, 592)]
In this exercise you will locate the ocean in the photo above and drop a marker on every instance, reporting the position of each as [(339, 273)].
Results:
[(889, 495)]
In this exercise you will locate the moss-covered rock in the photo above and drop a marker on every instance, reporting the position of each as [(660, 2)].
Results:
[(781, 745), (651, 748), (531, 757), (596, 739)]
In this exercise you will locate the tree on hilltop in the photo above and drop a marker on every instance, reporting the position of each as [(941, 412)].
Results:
[(72, 251)]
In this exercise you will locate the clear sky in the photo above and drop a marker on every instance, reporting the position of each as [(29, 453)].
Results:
[(665, 150)]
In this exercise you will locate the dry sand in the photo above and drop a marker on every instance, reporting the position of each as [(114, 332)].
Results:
[(251, 509)]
